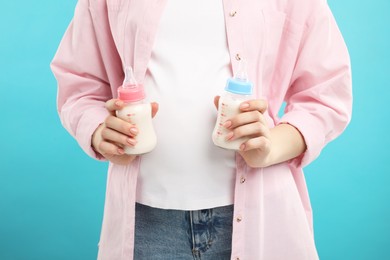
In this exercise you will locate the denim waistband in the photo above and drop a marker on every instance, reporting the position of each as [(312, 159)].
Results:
[(176, 234)]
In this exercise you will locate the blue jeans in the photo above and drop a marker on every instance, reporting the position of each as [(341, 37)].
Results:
[(174, 234)]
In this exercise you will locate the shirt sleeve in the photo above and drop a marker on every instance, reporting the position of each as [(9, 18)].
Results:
[(83, 84), (319, 100)]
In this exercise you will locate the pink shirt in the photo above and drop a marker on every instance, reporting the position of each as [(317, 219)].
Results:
[(303, 62)]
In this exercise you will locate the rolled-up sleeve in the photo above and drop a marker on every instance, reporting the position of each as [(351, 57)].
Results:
[(83, 85), (319, 100)]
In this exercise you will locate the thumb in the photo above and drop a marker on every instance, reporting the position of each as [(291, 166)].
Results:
[(114, 104), (154, 108), (216, 101)]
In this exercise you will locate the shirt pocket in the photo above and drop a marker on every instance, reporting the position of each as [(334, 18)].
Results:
[(283, 37), (281, 34)]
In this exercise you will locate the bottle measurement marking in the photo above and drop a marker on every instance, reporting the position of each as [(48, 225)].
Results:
[(221, 131)]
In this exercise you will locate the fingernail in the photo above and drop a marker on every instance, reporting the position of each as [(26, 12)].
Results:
[(227, 124), (244, 105), (242, 147), (119, 103), (229, 136), (121, 151), (134, 130), (131, 141)]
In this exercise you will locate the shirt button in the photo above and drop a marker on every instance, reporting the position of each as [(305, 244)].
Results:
[(242, 179), (239, 219), (238, 57), (237, 258), (233, 13)]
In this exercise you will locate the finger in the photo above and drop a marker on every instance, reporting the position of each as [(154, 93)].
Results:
[(117, 138), (154, 108), (257, 104), (107, 148), (121, 126), (244, 119), (250, 130), (261, 143), (216, 101), (114, 104)]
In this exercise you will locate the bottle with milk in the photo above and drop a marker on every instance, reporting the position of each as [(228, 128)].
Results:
[(137, 112), (237, 90)]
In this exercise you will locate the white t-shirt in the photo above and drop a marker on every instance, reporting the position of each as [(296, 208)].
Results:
[(189, 66)]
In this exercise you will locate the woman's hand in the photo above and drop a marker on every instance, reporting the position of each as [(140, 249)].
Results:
[(251, 123), (265, 146), (110, 138)]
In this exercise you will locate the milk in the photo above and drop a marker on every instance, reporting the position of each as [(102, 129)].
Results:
[(228, 107), (237, 90), (137, 112)]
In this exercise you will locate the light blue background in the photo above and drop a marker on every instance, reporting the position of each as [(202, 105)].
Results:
[(52, 194)]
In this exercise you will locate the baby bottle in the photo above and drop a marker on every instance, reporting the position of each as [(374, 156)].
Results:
[(137, 112), (237, 90)]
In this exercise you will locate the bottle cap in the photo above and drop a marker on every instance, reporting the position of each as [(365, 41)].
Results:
[(130, 91), (240, 83)]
